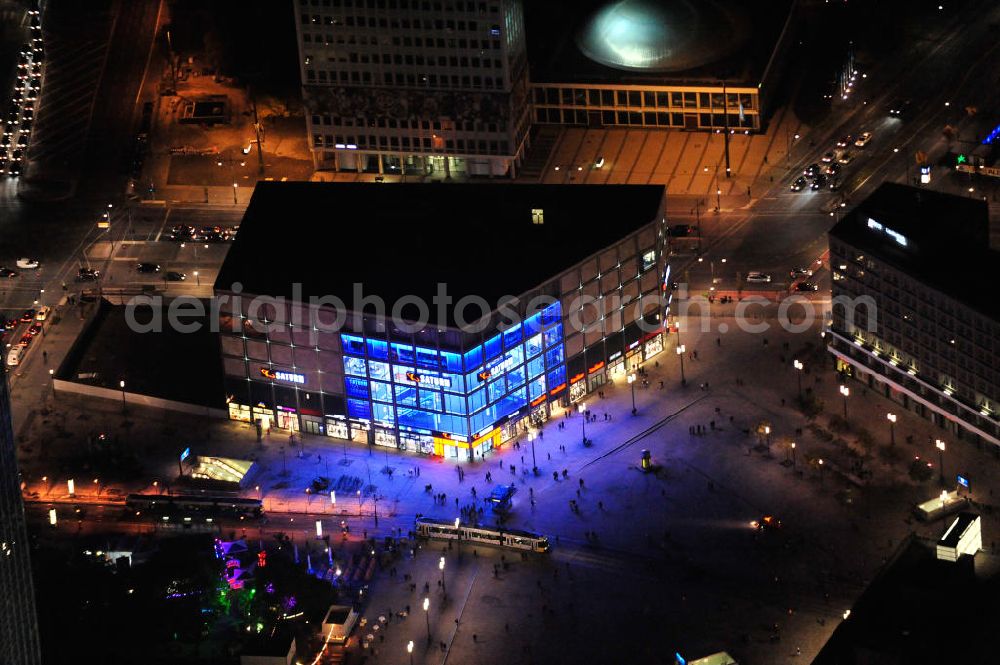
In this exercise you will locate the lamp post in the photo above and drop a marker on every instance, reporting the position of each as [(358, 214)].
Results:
[(359, 503), (767, 437), (458, 532), (197, 278), (409, 650), (121, 384), (891, 417), (940, 446), (427, 617), (235, 187), (821, 471), (582, 408), (680, 354), (631, 383), (441, 568), (531, 440), (793, 454), (52, 381), (846, 392), (797, 365)]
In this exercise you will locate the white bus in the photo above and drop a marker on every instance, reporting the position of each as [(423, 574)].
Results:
[(428, 527)]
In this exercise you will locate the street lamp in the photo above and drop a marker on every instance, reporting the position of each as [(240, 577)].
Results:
[(767, 437), (631, 383), (891, 417), (359, 503), (531, 440), (821, 471), (458, 533), (409, 650), (940, 446), (235, 187), (582, 408), (121, 384), (441, 568), (427, 616), (799, 366), (846, 392), (197, 278), (793, 454), (680, 353)]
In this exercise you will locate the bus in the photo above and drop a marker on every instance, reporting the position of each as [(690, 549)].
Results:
[(428, 527), (501, 498), (185, 505)]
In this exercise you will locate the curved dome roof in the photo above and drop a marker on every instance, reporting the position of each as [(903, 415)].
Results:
[(664, 36)]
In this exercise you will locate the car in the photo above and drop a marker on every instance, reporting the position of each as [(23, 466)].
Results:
[(766, 522), (35, 329), (16, 155), (28, 316), (14, 169), (26, 263), (27, 114), (758, 277), (10, 324), (862, 139), (26, 339), (22, 140), (834, 184), (148, 267), (845, 157), (320, 483), (811, 171), (806, 286), (900, 108), (832, 169), (827, 158), (87, 275), (845, 141), (26, 127), (819, 182), (681, 230), (6, 140), (43, 313), (7, 272), (800, 272), (799, 184), (174, 276)]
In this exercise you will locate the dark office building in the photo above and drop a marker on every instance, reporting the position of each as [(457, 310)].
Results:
[(18, 622), (571, 282), (929, 335)]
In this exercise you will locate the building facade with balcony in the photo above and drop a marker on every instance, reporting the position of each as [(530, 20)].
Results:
[(535, 295), (914, 313), (414, 87)]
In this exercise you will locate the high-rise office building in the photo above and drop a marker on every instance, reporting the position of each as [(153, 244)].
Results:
[(415, 87), (18, 623), (914, 313)]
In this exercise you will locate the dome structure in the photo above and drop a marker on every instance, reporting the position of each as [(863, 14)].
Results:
[(661, 36)]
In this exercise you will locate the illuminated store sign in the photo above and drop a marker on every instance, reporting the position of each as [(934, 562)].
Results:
[(895, 235), (439, 381), (283, 376), (497, 367)]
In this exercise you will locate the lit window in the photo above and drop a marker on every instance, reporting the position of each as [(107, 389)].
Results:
[(537, 216)]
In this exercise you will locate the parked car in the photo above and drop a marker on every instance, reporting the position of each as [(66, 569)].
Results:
[(175, 276), (7, 272), (87, 275), (806, 286), (800, 272), (758, 277), (148, 267), (26, 263), (766, 522)]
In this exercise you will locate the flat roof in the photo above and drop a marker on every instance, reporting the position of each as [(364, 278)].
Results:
[(184, 367), (731, 39), (957, 529), (401, 240), (941, 240)]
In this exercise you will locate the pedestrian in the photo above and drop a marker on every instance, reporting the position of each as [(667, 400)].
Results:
[(45, 356), (475, 638), (522, 459), (695, 354), (718, 341), (548, 456)]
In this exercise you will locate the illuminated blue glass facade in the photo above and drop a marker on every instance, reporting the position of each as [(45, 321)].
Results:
[(435, 391)]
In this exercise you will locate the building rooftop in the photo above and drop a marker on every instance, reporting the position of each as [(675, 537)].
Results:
[(635, 42), (941, 240), (399, 240), (921, 610)]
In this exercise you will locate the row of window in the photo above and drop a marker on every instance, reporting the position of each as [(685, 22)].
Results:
[(325, 76), (410, 123), (644, 119), (413, 5), (460, 146), (662, 99)]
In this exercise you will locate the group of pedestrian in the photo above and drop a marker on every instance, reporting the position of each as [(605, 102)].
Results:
[(439, 499)]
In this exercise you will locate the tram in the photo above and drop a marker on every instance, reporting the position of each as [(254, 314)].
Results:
[(428, 527)]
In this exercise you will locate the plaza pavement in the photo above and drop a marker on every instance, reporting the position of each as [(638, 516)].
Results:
[(675, 563)]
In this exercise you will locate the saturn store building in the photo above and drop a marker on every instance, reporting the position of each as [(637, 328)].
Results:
[(321, 333)]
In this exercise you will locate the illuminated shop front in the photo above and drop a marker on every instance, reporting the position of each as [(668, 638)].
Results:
[(583, 315)]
